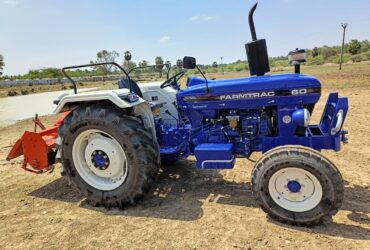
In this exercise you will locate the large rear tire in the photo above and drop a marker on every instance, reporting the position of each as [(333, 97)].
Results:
[(109, 155), (297, 185)]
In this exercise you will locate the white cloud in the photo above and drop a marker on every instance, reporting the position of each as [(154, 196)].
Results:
[(201, 18), (10, 2), (164, 39)]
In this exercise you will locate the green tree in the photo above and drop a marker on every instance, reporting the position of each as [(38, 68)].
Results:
[(365, 46), (2, 64), (179, 63), (168, 64), (354, 47), (105, 56), (143, 63), (50, 73), (327, 52), (33, 74), (128, 56), (315, 52), (214, 65), (130, 65), (159, 65)]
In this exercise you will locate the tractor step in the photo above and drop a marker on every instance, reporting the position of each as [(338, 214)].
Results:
[(214, 156)]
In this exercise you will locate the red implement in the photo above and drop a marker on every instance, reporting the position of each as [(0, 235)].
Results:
[(38, 148)]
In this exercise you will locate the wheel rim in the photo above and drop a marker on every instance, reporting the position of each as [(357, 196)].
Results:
[(295, 189), (99, 159)]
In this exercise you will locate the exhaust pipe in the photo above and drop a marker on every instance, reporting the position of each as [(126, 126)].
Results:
[(257, 55)]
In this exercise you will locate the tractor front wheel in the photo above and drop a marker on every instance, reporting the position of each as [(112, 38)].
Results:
[(109, 155), (297, 185)]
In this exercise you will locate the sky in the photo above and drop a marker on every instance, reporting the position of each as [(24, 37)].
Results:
[(55, 33)]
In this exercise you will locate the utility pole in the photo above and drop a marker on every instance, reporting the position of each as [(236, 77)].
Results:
[(344, 26)]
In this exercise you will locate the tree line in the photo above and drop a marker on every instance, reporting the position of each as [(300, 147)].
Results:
[(354, 51)]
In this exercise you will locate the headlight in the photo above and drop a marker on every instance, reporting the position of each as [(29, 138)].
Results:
[(301, 117)]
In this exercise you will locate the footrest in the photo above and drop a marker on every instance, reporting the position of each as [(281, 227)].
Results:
[(214, 156)]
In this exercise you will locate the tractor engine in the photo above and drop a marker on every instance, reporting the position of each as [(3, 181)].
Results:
[(238, 131), (238, 127)]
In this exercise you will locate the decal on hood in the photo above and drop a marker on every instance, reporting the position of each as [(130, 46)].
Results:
[(252, 95)]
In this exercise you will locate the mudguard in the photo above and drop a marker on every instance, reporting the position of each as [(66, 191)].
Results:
[(119, 97)]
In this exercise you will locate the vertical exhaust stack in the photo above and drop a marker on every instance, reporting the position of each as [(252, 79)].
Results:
[(258, 60)]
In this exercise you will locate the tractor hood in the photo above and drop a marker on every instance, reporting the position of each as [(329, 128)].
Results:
[(247, 93), (197, 86)]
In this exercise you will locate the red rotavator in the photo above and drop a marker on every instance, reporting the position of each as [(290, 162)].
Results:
[(38, 148)]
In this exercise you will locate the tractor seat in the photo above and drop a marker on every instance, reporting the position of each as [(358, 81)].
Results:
[(124, 83)]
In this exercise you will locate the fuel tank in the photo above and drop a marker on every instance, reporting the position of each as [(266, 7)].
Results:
[(250, 93)]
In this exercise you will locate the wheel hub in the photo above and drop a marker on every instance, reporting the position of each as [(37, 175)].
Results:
[(294, 186), (100, 159)]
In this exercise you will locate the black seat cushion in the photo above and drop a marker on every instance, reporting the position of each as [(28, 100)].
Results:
[(124, 83)]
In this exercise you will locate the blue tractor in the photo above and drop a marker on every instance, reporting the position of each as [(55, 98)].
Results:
[(111, 143)]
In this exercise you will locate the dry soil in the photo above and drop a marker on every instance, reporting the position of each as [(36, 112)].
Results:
[(189, 208)]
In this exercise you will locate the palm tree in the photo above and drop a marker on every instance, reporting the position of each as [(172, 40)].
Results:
[(128, 57), (179, 63)]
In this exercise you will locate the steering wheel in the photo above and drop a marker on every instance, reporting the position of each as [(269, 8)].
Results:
[(172, 80)]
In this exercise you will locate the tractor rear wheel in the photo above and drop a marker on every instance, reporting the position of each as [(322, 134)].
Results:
[(297, 185), (110, 156)]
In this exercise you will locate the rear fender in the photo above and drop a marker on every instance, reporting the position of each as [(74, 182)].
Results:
[(118, 97)]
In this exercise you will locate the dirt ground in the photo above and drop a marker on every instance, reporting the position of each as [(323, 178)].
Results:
[(189, 208)]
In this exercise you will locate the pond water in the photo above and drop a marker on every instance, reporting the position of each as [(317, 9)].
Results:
[(16, 108)]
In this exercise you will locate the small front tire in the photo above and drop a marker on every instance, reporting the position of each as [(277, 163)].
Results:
[(297, 185)]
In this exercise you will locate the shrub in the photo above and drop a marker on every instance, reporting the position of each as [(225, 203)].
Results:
[(365, 56), (356, 58), (315, 61), (279, 63), (354, 46), (240, 67), (346, 58), (327, 52)]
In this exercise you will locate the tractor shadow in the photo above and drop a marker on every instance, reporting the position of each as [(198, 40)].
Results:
[(179, 194), (181, 191)]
